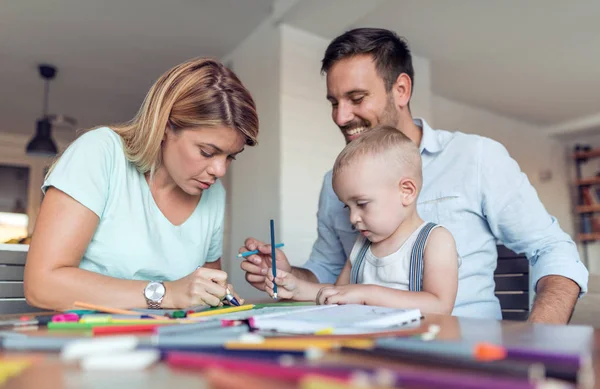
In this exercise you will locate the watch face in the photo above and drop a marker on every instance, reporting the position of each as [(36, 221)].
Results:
[(154, 291)]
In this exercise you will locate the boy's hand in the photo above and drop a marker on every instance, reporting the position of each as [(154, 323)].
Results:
[(287, 284), (345, 294)]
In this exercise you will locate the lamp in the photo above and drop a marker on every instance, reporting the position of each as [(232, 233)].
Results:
[(42, 144)]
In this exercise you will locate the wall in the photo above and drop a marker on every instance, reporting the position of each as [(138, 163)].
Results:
[(530, 147), (310, 141), (254, 181)]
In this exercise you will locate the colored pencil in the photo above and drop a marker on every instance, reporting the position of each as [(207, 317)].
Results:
[(124, 329), (478, 351), (242, 365), (455, 353), (248, 253), (273, 355), (295, 373), (320, 382), (222, 311), (36, 343), (576, 360), (300, 344), (119, 311), (273, 258), (192, 342), (193, 327), (498, 368), (223, 379), (89, 326)]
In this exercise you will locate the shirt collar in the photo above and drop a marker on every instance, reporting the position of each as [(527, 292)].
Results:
[(429, 141)]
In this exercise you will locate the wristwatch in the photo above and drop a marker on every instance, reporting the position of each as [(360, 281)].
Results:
[(154, 293)]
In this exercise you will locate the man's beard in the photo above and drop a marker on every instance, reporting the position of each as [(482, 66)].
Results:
[(389, 117)]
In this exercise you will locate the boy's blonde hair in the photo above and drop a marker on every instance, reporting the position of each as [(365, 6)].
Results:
[(385, 142)]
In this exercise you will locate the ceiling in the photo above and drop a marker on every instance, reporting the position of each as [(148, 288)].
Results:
[(108, 52), (537, 61)]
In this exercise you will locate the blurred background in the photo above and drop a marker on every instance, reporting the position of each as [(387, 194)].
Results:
[(524, 73)]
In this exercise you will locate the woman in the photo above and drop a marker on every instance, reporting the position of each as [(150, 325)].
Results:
[(133, 214)]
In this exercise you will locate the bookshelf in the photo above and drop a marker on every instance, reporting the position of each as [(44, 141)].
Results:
[(588, 208), (588, 198), (589, 237)]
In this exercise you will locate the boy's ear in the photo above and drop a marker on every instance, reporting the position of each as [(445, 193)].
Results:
[(408, 190)]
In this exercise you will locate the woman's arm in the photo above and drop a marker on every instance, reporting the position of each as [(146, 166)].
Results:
[(213, 265), (53, 279)]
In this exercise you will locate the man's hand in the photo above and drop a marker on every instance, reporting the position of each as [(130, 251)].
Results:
[(257, 266)]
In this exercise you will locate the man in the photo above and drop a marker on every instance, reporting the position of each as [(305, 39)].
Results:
[(470, 185)]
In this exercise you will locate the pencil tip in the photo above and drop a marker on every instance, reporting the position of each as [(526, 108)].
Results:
[(275, 296)]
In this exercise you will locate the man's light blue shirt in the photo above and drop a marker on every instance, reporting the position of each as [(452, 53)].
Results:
[(474, 188)]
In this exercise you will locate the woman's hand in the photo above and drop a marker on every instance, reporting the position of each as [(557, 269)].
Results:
[(234, 294), (202, 287)]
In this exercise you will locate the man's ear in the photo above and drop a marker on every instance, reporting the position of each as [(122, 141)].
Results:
[(401, 90), (408, 191)]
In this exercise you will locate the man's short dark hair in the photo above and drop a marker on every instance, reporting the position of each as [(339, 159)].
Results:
[(389, 51)]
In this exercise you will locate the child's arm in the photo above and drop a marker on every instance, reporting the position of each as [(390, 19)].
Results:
[(291, 287), (440, 282)]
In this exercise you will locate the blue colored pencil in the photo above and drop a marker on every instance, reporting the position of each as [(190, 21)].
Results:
[(273, 259), (248, 253)]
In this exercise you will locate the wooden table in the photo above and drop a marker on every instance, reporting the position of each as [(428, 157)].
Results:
[(50, 373)]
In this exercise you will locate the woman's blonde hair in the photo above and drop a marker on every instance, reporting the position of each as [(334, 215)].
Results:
[(200, 92)]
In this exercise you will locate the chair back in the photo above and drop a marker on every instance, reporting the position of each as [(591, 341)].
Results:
[(512, 284), (12, 269)]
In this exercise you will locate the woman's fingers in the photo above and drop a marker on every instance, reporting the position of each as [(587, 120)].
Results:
[(210, 299), (234, 294)]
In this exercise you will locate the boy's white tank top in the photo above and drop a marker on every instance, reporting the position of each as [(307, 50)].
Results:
[(391, 271)]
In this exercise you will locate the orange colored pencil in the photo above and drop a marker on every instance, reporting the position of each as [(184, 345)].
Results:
[(116, 311)]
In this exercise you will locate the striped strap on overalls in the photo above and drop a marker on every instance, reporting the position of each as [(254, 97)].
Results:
[(415, 279)]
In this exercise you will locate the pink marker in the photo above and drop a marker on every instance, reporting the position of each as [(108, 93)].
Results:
[(65, 317)]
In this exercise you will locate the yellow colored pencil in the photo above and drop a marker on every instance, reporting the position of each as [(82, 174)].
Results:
[(221, 311), (321, 382), (300, 344), (147, 321)]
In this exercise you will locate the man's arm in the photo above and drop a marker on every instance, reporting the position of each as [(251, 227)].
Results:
[(327, 258), (555, 300), (304, 274), (517, 217)]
